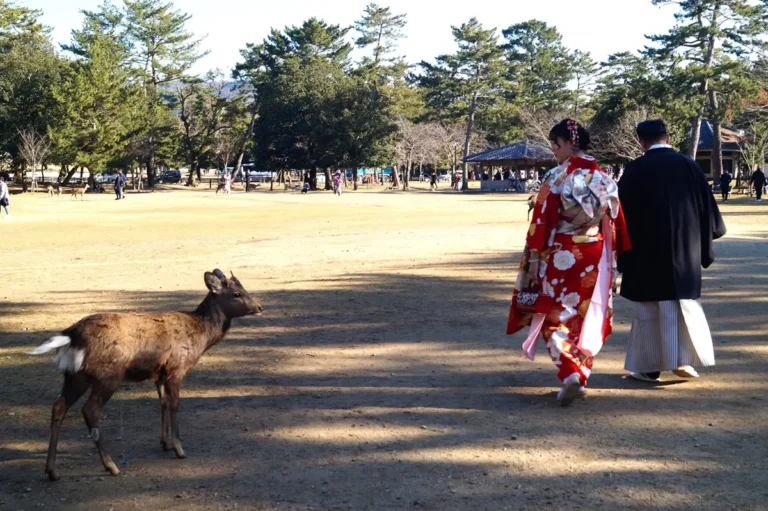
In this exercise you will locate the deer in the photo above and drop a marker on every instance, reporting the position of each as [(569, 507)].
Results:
[(104, 350), (78, 191), (54, 190)]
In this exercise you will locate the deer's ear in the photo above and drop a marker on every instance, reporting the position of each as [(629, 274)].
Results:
[(212, 282)]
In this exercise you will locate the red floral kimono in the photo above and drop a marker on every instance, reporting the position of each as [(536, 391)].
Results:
[(578, 228)]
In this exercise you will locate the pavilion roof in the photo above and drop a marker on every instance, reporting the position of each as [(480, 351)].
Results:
[(526, 150)]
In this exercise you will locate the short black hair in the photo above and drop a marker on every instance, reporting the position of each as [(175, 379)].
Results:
[(563, 130), (651, 130)]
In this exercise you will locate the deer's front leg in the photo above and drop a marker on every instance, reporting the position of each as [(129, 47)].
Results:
[(172, 387)]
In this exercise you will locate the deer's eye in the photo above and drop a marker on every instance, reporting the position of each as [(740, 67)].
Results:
[(237, 295)]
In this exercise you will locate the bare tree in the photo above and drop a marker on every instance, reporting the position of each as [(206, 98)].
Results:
[(538, 122), (754, 148), (33, 149), (618, 141), (413, 139)]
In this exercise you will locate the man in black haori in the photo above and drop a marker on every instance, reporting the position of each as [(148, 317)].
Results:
[(672, 219)]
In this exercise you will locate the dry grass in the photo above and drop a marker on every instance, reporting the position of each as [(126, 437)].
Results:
[(379, 378)]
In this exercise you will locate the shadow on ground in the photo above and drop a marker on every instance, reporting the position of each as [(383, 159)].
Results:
[(425, 397)]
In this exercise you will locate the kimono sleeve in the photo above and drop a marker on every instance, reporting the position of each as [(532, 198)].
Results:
[(544, 219)]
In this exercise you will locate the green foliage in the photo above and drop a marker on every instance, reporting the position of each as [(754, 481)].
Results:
[(95, 99), (539, 66), (380, 29)]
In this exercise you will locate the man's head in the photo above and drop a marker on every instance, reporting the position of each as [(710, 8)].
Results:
[(119, 171), (652, 132), (2, 179)]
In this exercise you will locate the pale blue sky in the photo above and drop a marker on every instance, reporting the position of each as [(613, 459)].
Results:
[(601, 27)]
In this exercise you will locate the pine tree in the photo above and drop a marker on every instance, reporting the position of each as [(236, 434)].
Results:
[(461, 83), (162, 52), (380, 30), (707, 31), (539, 66)]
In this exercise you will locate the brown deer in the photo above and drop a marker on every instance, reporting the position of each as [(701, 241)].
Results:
[(103, 350), (78, 190), (54, 190)]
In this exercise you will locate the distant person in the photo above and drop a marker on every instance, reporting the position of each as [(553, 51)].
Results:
[(484, 176), (120, 181), (725, 184), (758, 182), (4, 196), (497, 176), (433, 181), (506, 174), (337, 183), (227, 183)]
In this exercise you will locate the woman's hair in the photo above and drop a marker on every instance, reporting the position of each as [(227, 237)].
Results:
[(569, 129)]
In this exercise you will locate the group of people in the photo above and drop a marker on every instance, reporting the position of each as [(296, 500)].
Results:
[(586, 228), (756, 182)]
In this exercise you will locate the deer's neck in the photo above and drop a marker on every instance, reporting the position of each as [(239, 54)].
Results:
[(214, 321)]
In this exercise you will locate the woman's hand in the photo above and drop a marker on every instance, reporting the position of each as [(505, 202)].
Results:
[(533, 270)]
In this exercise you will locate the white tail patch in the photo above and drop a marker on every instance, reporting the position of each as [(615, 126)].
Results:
[(51, 344), (67, 358)]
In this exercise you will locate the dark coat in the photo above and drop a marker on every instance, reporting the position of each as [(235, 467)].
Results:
[(672, 219), (758, 179)]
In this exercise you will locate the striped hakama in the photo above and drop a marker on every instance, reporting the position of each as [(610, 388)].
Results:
[(669, 334)]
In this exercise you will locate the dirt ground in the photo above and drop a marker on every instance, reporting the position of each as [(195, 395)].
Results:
[(379, 376)]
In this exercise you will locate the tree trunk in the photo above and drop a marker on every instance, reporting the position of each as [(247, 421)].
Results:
[(151, 171), (354, 178), (69, 176), (395, 177), (467, 139), (313, 178), (328, 185), (63, 171), (406, 172), (693, 139), (81, 174), (717, 142), (241, 155)]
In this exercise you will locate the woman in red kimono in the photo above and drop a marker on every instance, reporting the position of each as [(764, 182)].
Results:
[(564, 288)]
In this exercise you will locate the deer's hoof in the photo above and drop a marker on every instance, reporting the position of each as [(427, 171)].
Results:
[(52, 475), (167, 446), (112, 469)]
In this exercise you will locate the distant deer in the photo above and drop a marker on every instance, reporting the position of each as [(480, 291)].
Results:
[(103, 350), (80, 190), (54, 190)]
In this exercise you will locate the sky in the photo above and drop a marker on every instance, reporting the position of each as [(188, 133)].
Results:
[(601, 27)]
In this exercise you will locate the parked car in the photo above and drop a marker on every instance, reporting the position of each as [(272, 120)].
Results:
[(170, 176)]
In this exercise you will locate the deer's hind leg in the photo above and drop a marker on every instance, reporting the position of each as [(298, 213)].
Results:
[(165, 419), (92, 413), (75, 386)]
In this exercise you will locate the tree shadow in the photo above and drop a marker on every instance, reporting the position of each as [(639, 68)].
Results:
[(400, 390)]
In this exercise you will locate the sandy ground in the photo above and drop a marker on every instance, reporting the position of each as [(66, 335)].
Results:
[(379, 377)]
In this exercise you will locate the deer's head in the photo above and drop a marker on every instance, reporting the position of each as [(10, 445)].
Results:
[(230, 295)]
